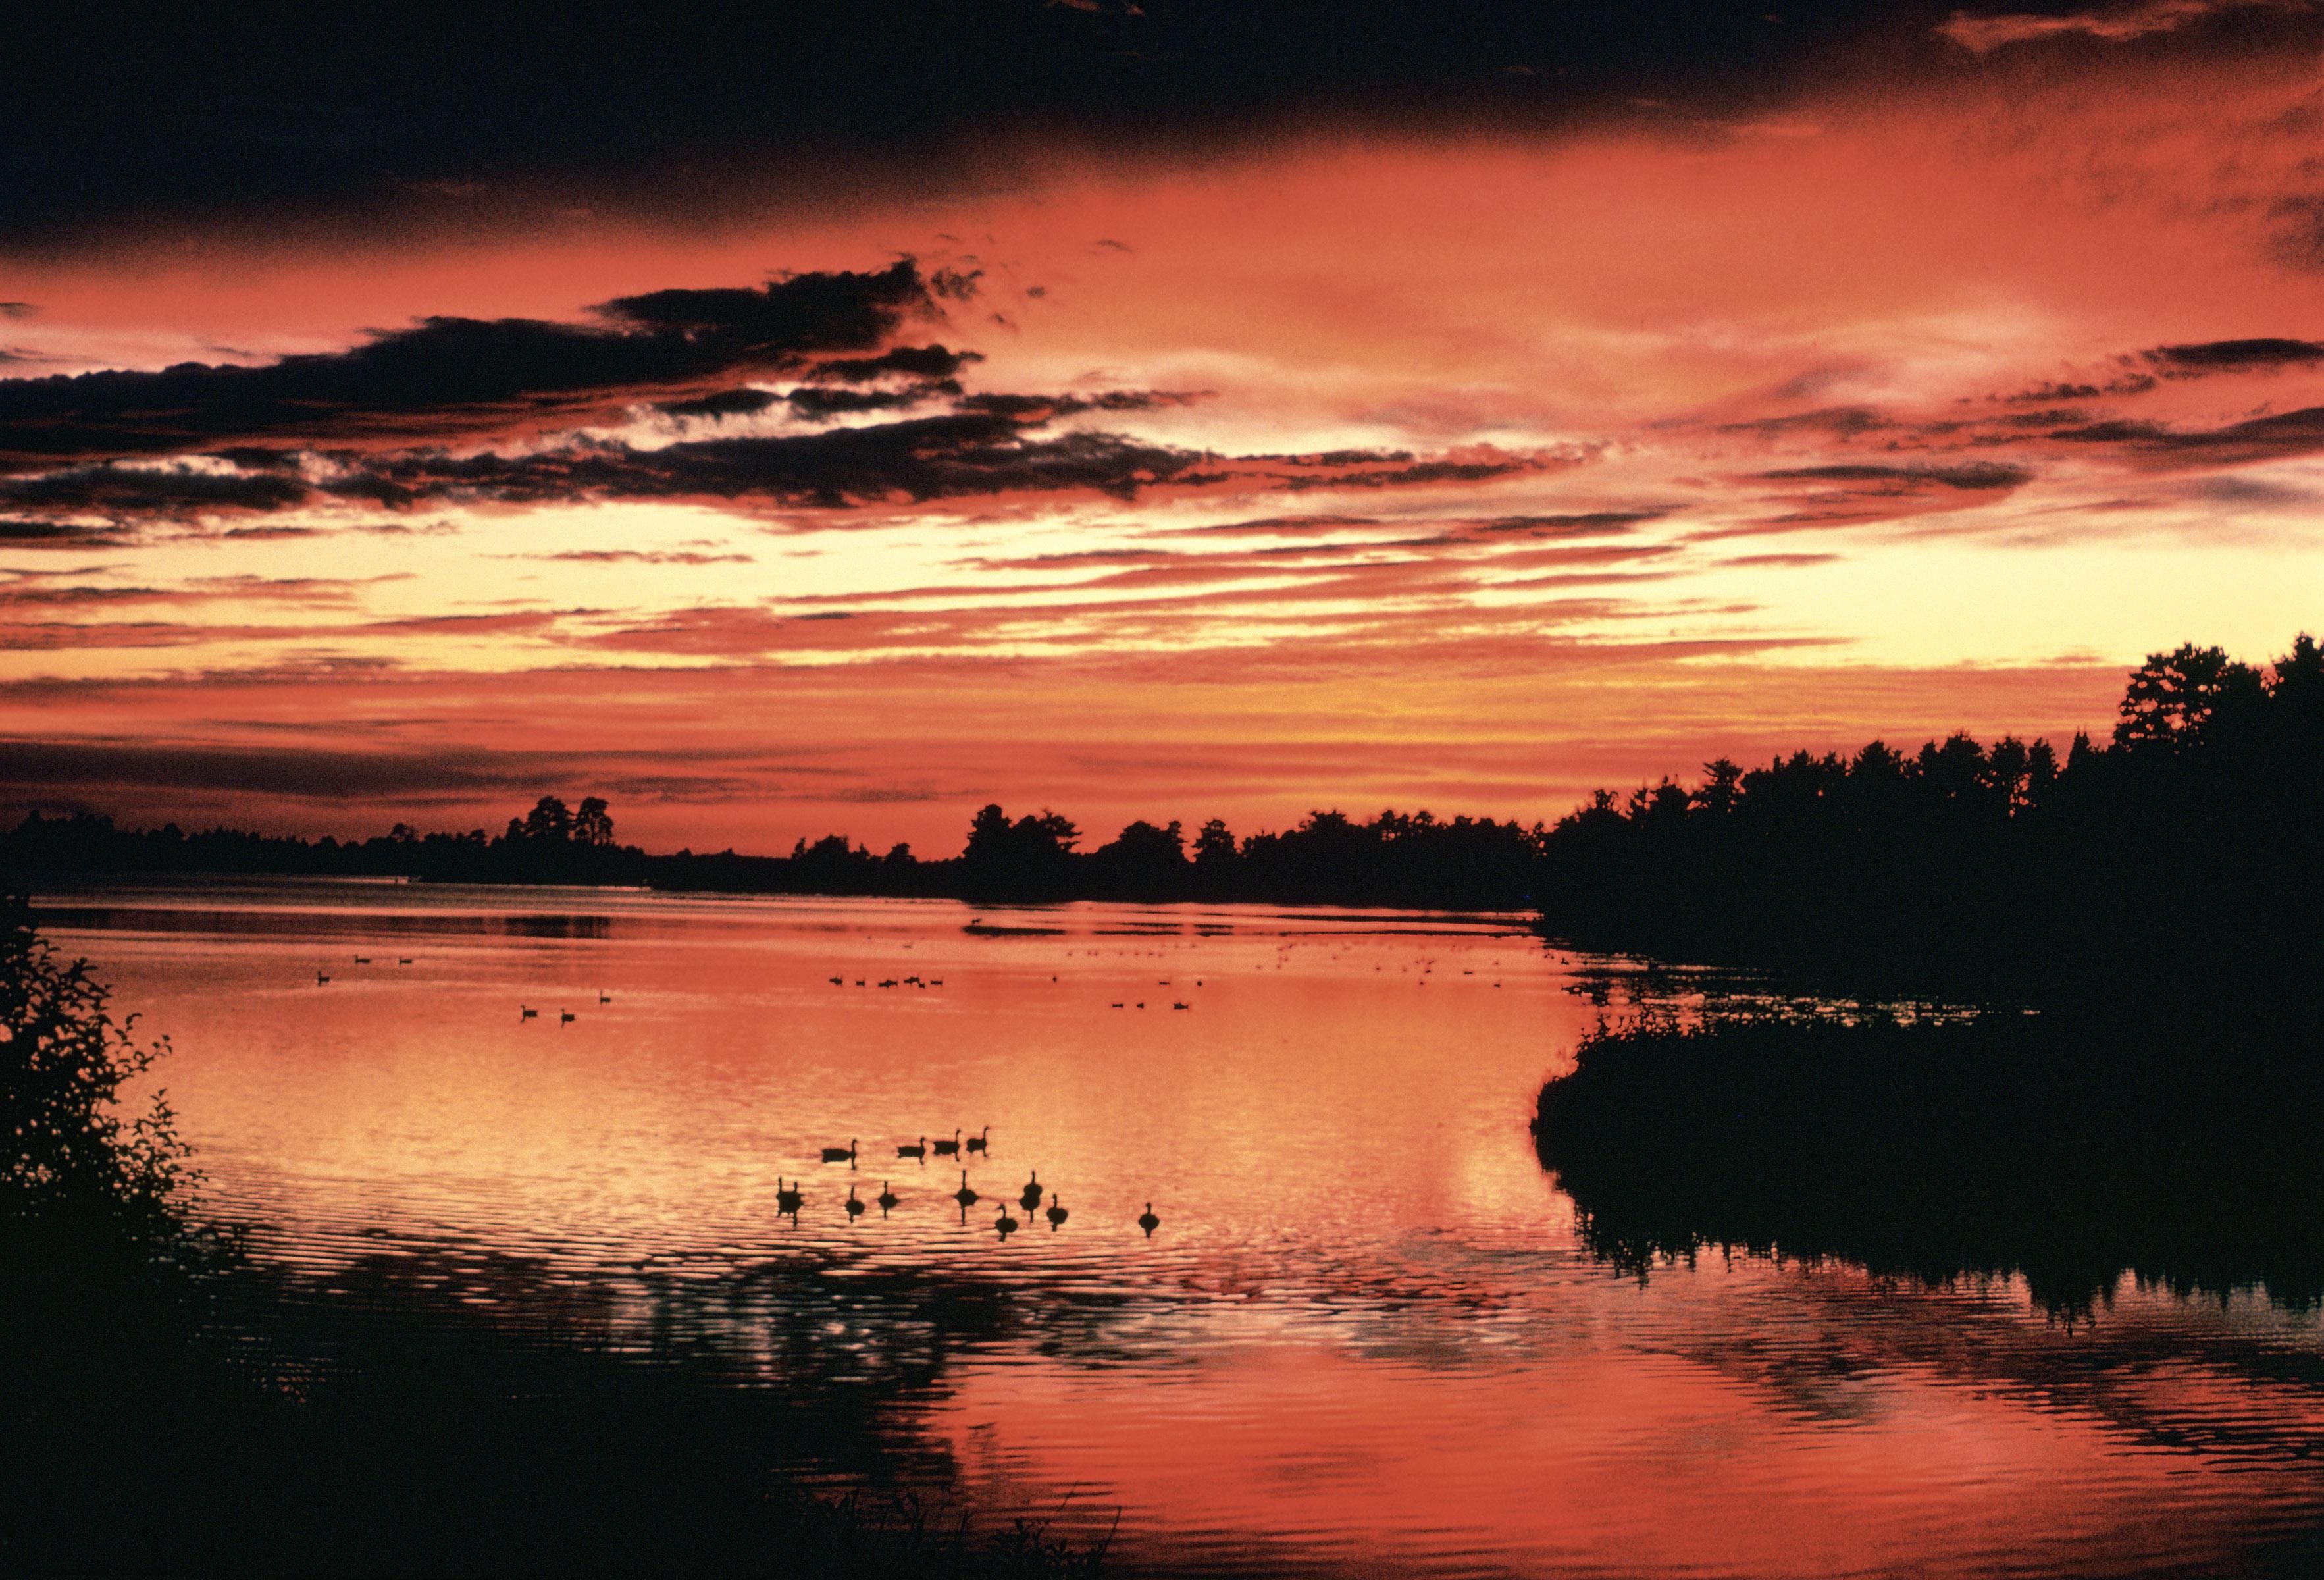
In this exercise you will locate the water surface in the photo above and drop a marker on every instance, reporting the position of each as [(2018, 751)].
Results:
[(1365, 1334)]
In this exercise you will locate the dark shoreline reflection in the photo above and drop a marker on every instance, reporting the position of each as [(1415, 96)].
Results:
[(2072, 1147)]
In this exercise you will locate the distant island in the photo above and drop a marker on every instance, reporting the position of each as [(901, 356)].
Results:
[(2187, 846)]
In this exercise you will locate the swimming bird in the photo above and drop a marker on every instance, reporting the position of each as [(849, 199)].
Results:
[(362, 960), (1182, 1006), (979, 1142), (845, 1154), (1149, 1221), (1006, 1225), (921, 1151), (887, 1200), (1031, 1195), (965, 1196), (950, 1148), (523, 1014), (1055, 1215), (604, 997), (320, 979), (564, 1017), (788, 1198), (403, 959), (854, 1207)]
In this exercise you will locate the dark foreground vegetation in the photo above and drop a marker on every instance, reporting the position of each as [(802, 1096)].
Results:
[(2173, 1141), (174, 1407)]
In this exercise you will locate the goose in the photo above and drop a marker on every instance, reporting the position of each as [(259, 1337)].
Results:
[(1055, 1215), (525, 1013), (1149, 1221), (788, 1198), (979, 1142), (845, 1154), (839, 981), (1005, 1224), (854, 1207), (887, 1200), (320, 979), (362, 960), (604, 997), (965, 1196), (950, 1148), (564, 1017), (919, 1152), (403, 959), (1182, 1006), (1031, 1195)]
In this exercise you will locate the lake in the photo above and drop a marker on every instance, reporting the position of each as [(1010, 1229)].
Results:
[(1365, 1336)]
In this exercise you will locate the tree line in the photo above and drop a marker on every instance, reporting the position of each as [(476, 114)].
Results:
[(2192, 839), (2188, 845), (1397, 858)]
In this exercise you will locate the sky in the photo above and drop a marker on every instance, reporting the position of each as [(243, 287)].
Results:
[(834, 421)]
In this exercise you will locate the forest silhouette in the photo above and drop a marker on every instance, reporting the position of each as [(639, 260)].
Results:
[(2136, 1085), (2184, 848)]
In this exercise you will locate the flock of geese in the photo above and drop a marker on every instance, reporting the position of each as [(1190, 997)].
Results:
[(789, 1199)]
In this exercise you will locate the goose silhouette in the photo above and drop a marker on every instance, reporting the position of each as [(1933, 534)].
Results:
[(403, 959), (919, 1152), (604, 997), (1149, 1221), (887, 1200), (950, 1148), (978, 1142), (788, 1198), (564, 1017), (964, 1195), (1055, 1215), (845, 1154), (522, 1013), (854, 1207), (1031, 1195), (320, 979), (1006, 1225)]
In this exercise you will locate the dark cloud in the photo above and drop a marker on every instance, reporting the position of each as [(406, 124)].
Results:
[(449, 376), (720, 403), (122, 492), (2237, 356), (1420, 471), (1043, 407), (820, 405), (1844, 420), (230, 112), (2277, 437), (1969, 475), (19, 533), (917, 362), (924, 458), (53, 765)]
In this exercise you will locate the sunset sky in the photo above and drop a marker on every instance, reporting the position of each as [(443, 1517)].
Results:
[(1143, 410)]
